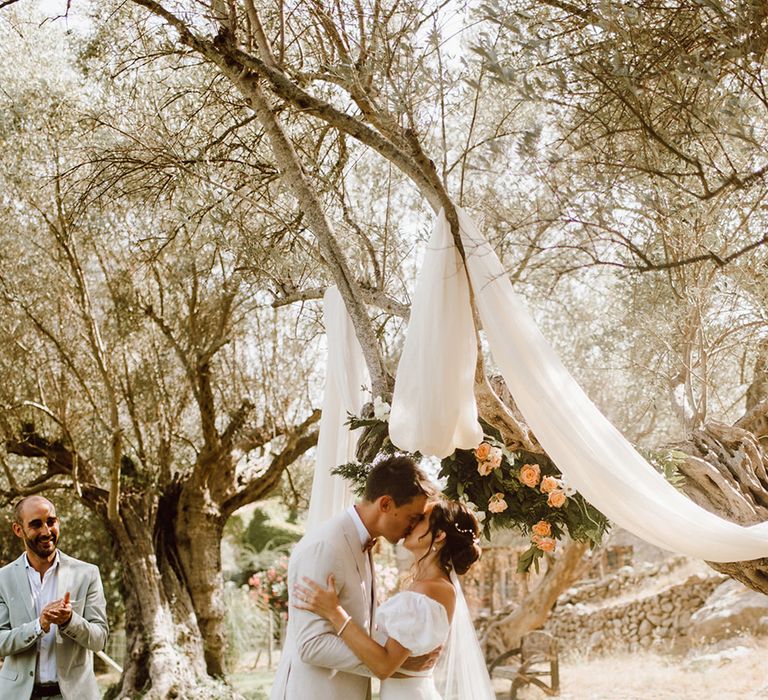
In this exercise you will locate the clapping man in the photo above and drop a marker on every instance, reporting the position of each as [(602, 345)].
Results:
[(52, 613)]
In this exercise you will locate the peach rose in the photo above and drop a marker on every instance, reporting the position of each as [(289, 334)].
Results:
[(495, 457), (548, 484), (542, 528), (497, 504), (546, 544), (484, 468), (556, 499), (529, 474), (482, 451)]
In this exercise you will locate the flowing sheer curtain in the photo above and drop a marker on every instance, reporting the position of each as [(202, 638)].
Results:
[(433, 406), (461, 673), (592, 454), (345, 376)]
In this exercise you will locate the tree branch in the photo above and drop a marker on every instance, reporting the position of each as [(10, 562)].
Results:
[(236, 424), (708, 256), (60, 460), (372, 297), (261, 486)]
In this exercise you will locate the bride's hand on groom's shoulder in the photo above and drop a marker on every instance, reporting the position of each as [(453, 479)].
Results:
[(321, 601), (423, 662)]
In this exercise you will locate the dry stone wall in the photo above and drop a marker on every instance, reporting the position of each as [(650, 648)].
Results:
[(631, 609)]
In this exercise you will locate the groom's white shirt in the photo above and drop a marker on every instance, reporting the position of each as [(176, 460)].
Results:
[(315, 662), (362, 530)]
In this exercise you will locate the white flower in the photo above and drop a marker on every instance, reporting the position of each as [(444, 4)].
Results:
[(566, 487), (380, 409), (387, 580)]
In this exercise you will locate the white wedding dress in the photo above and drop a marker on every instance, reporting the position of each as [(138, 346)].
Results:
[(420, 624)]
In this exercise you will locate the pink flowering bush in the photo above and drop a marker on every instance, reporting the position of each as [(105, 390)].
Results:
[(270, 586)]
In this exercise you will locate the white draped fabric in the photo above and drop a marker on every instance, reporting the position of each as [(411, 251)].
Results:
[(592, 454), (346, 374), (461, 673), (433, 407)]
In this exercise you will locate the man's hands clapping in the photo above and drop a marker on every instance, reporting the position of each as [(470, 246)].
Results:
[(59, 612)]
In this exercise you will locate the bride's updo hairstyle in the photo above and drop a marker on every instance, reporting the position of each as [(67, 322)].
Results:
[(461, 546)]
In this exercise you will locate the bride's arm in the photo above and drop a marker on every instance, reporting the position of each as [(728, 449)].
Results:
[(382, 660)]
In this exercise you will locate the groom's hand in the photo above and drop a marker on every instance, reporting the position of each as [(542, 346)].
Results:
[(423, 662)]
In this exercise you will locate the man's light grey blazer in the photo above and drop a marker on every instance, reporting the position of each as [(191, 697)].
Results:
[(86, 632), (315, 662)]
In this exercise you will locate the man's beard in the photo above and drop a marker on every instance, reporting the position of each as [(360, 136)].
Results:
[(40, 545)]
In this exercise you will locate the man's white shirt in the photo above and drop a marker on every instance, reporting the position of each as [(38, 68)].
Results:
[(44, 592)]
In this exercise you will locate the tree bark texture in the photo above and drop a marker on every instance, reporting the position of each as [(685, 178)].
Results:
[(198, 529), (725, 472), (165, 650)]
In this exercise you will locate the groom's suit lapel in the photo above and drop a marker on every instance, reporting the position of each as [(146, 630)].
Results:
[(367, 588), (353, 542), (66, 575)]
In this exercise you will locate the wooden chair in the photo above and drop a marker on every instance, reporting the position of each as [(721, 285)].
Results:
[(537, 664)]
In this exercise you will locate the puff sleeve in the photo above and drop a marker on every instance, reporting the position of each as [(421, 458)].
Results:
[(415, 620)]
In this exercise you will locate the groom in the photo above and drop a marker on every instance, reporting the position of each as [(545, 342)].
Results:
[(315, 662)]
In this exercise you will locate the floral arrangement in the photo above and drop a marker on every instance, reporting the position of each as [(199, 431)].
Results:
[(270, 586), (521, 490)]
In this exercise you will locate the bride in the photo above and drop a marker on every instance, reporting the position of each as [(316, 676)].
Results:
[(431, 613)]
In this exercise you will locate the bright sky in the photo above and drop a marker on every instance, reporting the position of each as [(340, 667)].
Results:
[(74, 19)]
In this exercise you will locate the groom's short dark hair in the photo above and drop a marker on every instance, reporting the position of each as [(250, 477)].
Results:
[(398, 477)]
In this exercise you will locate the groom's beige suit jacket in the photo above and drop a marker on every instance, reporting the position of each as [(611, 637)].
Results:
[(315, 662)]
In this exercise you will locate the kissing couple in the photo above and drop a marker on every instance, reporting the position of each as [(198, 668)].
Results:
[(420, 642)]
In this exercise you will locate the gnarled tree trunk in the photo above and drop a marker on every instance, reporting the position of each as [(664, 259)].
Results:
[(505, 630), (165, 657), (198, 527), (725, 473)]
